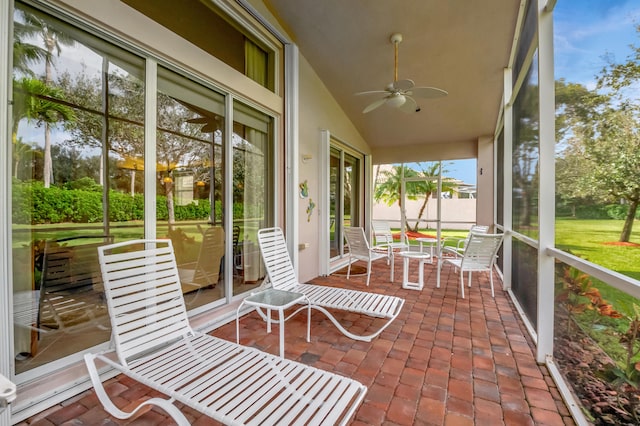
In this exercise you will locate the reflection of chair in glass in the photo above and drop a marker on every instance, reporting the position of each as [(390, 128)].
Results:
[(237, 252), (70, 285), (208, 266), (383, 239), (359, 249), (282, 276), (480, 254)]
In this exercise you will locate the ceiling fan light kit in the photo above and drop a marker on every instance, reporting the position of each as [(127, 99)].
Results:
[(400, 93)]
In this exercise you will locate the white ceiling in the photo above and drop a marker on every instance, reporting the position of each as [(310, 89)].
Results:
[(461, 46)]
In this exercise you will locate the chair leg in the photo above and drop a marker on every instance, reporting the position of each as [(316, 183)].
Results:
[(349, 269), (491, 281), (469, 279), (462, 282), (368, 271)]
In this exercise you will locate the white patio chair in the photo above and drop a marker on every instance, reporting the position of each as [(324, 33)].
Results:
[(479, 255), (359, 249), (233, 384), (383, 240), (282, 276), (461, 243)]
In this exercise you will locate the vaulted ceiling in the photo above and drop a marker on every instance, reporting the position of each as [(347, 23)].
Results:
[(460, 46)]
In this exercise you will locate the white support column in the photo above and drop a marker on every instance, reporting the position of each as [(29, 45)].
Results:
[(291, 151), (546, 189), (228, 197), (150, 163), (6, 296), (507, 165)]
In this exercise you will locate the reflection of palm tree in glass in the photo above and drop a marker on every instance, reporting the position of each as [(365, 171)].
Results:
[(53, 40), (31, 101)]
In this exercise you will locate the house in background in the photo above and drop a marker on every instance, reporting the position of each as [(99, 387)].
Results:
[(203, 120)]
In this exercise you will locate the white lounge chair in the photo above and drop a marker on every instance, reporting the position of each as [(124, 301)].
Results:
[(233, 384), (480, 253), (359, 249), (282, 276)]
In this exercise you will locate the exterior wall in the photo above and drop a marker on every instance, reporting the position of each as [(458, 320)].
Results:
[(460, 212), (318, 111)]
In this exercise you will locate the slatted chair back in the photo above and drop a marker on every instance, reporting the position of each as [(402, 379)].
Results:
[(276, 258), (357, 241), (481, 251), (382, 235), (208, 265), (144, 296)]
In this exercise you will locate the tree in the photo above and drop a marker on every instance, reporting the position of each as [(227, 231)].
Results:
[(21, 151), (614, 154), (577, 110), (25, 54), (36, 102), (388, 191), (428, 187), (53, 39)]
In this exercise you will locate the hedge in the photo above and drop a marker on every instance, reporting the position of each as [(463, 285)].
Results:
[(34, 204)]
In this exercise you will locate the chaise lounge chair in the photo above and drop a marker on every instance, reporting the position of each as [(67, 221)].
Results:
[(282, 276), (233, 384)]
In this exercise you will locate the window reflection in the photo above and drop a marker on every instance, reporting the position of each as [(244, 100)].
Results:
[(526, 155), (189, 172), (252, 182), (78, 110)]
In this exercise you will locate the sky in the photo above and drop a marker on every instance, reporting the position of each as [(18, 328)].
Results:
[(587, 33)]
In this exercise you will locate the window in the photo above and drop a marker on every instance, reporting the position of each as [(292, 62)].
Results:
[(189, 183), (253, 176), (77, 130)]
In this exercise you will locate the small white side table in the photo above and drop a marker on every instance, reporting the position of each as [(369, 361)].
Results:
[(422, 258), (275, 299), (430, 243)]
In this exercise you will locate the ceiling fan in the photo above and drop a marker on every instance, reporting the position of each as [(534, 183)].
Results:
[(400, 93)]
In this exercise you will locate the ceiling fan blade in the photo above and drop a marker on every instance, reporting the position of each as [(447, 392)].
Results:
[(409, 106), (372, 92), (403, 84), (374, 105), (427, 92)]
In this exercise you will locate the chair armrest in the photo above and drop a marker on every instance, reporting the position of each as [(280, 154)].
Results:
[(449, 251)]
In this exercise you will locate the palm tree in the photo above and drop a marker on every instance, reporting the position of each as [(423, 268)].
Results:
[(429, 187), (53, 39), (388, 191), (34, 100), (25, 54), (20, 151)]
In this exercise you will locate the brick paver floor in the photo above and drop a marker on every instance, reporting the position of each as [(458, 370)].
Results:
[(444, 361)]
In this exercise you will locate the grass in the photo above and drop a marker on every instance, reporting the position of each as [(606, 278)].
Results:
[(595, 241)]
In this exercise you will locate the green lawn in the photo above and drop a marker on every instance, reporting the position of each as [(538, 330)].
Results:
[(594, 240)]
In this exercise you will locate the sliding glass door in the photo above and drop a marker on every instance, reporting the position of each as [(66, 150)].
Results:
[(344, 197)]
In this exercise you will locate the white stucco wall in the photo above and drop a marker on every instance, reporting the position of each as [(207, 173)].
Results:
[(318, 111), (457, 213)]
